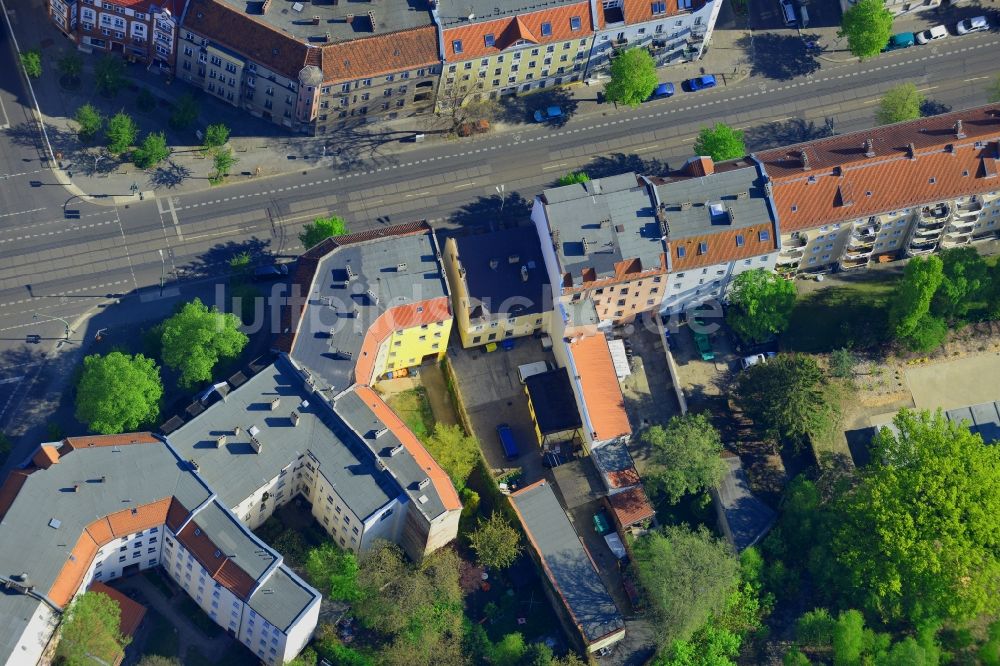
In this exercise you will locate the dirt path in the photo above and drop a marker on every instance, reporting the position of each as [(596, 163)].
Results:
[(437, 394)]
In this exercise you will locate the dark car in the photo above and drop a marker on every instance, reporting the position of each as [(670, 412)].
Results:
[(701, 82), (901, 40), (661, 91), (270, 272)]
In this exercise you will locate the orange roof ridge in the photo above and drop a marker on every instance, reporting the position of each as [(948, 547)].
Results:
[(46, 456), (598, 382), (522, 31), (123, 439)]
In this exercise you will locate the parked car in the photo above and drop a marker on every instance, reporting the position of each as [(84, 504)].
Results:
[(270, 272), (704, 347), (927, 36), (975, 24), (788, 12), (701, 82), (528, 369), (506, 437), (661, 91), (900, 40), (601, 523), (548, 114)]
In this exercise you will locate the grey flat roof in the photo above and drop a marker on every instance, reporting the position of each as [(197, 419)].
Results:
[(452, 14), (717, 191), (612, 457), (569, 566), (615, 215), (295, 17), (553, 401), (340, 311), (282, 598), (16, 611), (234, 540), (581, 313), (235, 470), (747, 518), (501, 288), (407, 472), (984, 419)]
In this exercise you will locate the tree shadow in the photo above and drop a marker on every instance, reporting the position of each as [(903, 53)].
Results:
[(487, 213), (603, 166), (169, 175), (796, 130), (932, 107), (521, 108), (214, 262), (347, 147), (781, 57)]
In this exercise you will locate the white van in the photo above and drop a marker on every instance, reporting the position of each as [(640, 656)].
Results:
[(788, 12), (529, 369)]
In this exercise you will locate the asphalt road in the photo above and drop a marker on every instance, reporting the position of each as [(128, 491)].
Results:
[(53, 267)]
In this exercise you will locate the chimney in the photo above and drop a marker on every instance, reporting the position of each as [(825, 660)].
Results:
[(400, 267), (372, 297), (685, 205), (236, 431), (326, 36), (513, 259), (396, 449), (294, 417), (349, 19), (265, 6), (731, 214), (424, 483), (912, 150), (804, 157), (315, 20), (380, 432), (371, 19), (742, 195), (256, 445), (524, 273), (494, 263), (220, 441), (869, 148), (959, 134), (76, 487), (103, 479), (275, 403)]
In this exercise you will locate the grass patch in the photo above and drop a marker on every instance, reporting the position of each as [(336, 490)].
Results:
[(157, 581), (162, 637), (198, 617), (415, 410), (852, 316)]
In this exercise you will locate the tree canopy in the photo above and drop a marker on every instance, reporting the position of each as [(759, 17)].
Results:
[(965, 280), (109, 75), (455, 451), (721, 143), (909, 314), (633, 77), (334, 571), (117, 392), (496, 542), (787, 398), (760, 302), (920, 535), (216, 135), (89, 122), (31, 60), (185, 112), (867, 26), (900, 103), (685, 456), (196, 338), (154, 149), (321, 229), (993, 90), (573, 178), (121, 133), (90, 627), (222, 161), (70, 65), (686, 576)]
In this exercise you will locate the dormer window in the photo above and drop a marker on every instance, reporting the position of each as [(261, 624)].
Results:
[(456, 46), (703, 248), (739, 240)]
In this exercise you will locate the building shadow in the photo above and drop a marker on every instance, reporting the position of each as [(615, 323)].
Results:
[(784, 133), (521, 108), (781, 56), (614, 164)]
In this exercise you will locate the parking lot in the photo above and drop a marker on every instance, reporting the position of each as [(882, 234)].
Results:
[(492, 394), (703, 382)]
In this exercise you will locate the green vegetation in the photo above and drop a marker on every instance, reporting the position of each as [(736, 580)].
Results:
[(321, 229), (993, 91), (185, 113), (121, 133), (867, 26), (158, 660), (573, 178), (90, 627), (966, 284), (196, 338), (685, 456), (109, 75), (31, 61), (154, 149), (455, 451), (852, 316), (117, 392), (721, 143), (496, 542), (70, 67), (909, 314), (633, 77), (415, 409), (334, 571), (760, 304), (222, 161), (216, 135), (898, 104), (89, 122)]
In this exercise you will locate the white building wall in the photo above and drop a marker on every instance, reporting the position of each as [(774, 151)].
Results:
[(335, 515), (385, 523), (35, 637), (301, 632), (548, 252), (694, 286)]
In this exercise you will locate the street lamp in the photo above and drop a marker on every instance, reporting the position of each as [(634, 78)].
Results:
[(500, 190), (162, 269), (65, 323), (134, 188)]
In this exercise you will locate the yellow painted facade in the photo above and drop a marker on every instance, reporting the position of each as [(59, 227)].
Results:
[(408, 347)]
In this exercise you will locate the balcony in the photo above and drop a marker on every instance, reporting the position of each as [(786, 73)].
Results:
[(955, 240), (921, 246), (973, 206), (796, 241), (961, 224), (791, 254), (851, 263), (930, 228), (937, 212), (985, 235), (859, 252)]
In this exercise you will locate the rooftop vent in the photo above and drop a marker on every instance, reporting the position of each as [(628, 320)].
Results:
[(804, 158), (256, 445), (297, 7), (253, 431), (743, 195), (494, 264), (220, 441), (959, 132), (396, 450), (424, 483), (380, 432), (869, 148), (55, 523), (275, 403), (524, 273), (236, 431), (294, 418), (422, 499), (400, 267), (513, 259)]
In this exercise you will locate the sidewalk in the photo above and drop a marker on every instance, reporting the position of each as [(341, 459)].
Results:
[(262, 148)]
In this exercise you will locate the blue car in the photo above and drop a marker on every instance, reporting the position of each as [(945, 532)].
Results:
[(550, 113), (701, 82), (661, 91)]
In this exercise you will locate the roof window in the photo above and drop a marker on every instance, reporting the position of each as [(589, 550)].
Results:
[(739, 240), (932, 180), (795, 208), (764, 235), (574, 23), (703, 248), (456, 46), (546, 29), (490, 39), (681, 251)]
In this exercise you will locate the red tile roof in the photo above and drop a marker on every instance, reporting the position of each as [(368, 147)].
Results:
[(631, 506), (46, 456), (722, 246), (508, 31), (599, 384), (382, 54), (124, 439), (221, 568), (132, 611), (393, 319), (886, 168), (623, 478)]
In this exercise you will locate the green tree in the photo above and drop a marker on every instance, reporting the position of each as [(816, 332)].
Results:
[(196, 338), (788, 398), (918, 533), (109, 75), (633, 77), (31, 60), (185, 112), (993, 91), (90, 626), (71, 66), (455, 451), (89, 122), (573, 178), (842, 362), (154, 149), (216, 135), (685, 456), (795, 657), (848, 638), (761, 302), (964, 282), (989, 651), (867, 26), (334, 571), (240, 263), (509, 651), (223, 161), (121, 133), (721, 143), (117, 392), (900, 103), (909, 314), (496, 542), (321, 229), (814, 630), (686, 576)]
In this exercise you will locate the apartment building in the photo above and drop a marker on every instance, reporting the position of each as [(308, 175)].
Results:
[(674, 31), (492, 49), (895, 191), (313, 68), (499, 285), (99, 507), (139, 30)]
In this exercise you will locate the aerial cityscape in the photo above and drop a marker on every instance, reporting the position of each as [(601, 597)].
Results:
[(500, 332)]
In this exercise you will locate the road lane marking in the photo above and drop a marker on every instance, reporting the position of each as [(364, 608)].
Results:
[(553, 166), (458, 187)]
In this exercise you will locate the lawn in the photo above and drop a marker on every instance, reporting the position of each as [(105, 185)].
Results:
[(851, 315), (415, 410)]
